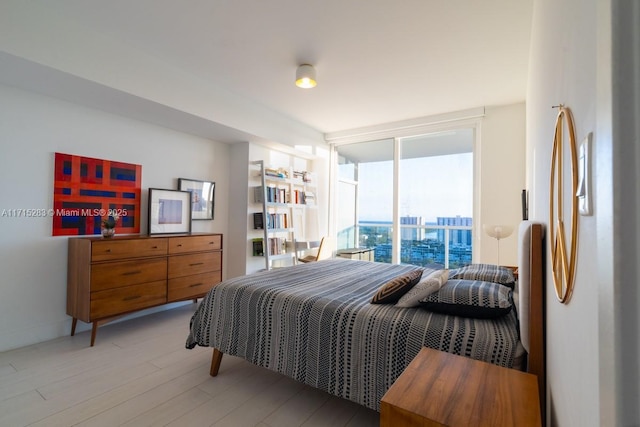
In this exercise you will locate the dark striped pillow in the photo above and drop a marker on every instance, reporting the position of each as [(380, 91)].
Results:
[(486, 273), (391, 291), (468, 298)]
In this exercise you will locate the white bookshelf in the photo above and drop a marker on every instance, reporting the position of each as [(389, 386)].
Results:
[(285, 203)]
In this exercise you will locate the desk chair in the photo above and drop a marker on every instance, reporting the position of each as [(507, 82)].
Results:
[(325, 250)]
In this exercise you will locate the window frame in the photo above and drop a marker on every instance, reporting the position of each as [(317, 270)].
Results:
[(468, 119)]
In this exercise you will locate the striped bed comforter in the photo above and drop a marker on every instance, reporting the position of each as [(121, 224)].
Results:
[(314, 323)]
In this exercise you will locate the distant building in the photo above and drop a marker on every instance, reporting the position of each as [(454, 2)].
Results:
[(411, 233), (456, 237), (417, 246)]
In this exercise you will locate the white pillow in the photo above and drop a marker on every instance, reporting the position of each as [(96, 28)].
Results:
[(425, 287)]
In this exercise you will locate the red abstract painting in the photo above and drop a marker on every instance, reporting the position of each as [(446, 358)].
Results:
[(86, 190)]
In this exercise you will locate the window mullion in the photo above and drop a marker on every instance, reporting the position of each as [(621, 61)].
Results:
[(396, 242)]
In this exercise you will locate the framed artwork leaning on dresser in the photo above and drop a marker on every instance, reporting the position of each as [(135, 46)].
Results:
[(169, 211), (202, 197)]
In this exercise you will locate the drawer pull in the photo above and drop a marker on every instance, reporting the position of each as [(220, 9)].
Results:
[(195, 285), (179, 245), (154, 247), (131, 298), (131, 273), (108, 250), (195, 263)]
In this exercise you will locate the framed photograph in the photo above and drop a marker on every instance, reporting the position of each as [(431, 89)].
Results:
[(202, 197), (169, 211)]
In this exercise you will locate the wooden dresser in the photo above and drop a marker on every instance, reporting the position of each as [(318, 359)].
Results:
[(107, 278)]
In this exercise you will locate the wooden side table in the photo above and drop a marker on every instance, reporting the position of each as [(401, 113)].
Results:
[(514, 269), (442, 389)]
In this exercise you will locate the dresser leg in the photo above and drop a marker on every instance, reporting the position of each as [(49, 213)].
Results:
[(74, 322), (94, 329)]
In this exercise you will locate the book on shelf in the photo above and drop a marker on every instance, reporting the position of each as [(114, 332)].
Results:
[(277, 221), (258, 195), (298, 197), (274, 195), (258, 247), (274, 221), (258, 221), (277, 245), (303, 197)]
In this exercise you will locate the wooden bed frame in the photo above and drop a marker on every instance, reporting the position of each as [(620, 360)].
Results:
[(536, 357), (536, 354)]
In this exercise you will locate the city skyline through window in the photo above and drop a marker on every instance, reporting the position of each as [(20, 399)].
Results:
[(435, 187)]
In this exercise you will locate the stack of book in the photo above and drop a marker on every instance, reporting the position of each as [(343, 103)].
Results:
[(274, 195), (275, 220), (277, 173), (309, 198), (277, 245)]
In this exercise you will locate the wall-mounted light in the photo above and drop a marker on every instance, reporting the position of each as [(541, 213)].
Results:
[(306, 76)]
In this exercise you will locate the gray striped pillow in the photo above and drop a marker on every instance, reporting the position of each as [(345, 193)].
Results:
[(486, 273), (427, 285), (469, 298)]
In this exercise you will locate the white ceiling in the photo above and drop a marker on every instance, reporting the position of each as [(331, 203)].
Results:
[(377, 61)]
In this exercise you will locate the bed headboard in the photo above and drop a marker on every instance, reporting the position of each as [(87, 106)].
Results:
[(531, 299)]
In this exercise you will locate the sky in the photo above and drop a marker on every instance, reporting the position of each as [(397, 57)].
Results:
[(431, 187)]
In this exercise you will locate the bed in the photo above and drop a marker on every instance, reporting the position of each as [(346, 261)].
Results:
[(315, 323)]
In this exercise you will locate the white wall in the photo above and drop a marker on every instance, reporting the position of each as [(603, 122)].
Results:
[(564, 68), (238, 195), (32, 262), (624, 295), (502, 179)]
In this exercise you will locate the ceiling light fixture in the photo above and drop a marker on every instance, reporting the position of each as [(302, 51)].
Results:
[(306, 76)]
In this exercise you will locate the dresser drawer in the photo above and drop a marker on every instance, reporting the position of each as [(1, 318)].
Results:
[(188, 287), (110, 275), (108, 250), (122, 300), (186, 265), (178, 245), (107, 278)]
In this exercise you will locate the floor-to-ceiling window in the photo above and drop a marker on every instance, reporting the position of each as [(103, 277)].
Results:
[(435, 195), (421, 187), (365, 196)]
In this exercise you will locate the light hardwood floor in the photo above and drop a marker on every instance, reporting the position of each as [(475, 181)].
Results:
[(140, 374)]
